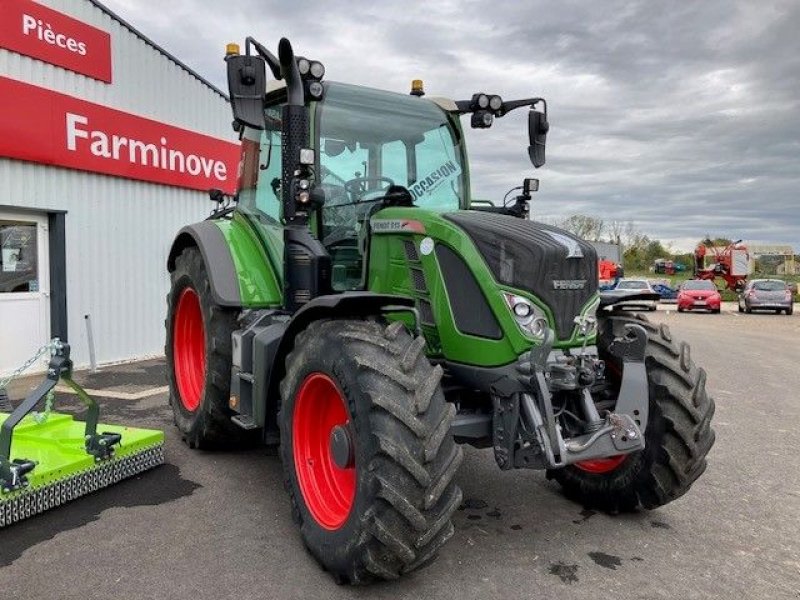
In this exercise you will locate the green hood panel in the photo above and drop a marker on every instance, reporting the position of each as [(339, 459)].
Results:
[(402, 261)]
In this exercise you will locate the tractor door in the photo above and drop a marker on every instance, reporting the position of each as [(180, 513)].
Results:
[(260, 184)]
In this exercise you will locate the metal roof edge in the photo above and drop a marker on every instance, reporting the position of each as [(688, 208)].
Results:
[(158, 48)]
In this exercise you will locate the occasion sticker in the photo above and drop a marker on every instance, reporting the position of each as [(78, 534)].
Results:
[(427, 186)]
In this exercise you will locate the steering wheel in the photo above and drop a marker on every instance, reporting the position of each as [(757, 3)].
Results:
[(357, 186)]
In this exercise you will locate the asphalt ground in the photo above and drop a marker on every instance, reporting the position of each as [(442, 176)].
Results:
[(218, 525)]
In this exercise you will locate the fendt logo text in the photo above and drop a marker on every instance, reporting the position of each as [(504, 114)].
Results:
[(569, 284)]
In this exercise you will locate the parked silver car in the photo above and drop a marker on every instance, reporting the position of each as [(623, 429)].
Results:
[(766, 294), (640, 285)]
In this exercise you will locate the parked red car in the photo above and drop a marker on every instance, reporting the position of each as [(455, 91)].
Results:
[(699, 294)]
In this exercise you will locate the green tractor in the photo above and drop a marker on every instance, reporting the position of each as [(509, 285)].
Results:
[(355, 306)]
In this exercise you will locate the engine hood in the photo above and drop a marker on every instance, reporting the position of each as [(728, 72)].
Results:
[(552, 264)]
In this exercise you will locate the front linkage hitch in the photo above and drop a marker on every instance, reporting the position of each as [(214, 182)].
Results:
[(13, 473), (526, 433)]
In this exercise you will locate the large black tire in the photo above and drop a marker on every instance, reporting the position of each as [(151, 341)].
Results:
[(404, 457), (203, 423), (677, 438)]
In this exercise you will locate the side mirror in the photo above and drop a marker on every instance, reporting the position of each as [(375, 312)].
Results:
[(216, 195), (537, 134), (247, 85)]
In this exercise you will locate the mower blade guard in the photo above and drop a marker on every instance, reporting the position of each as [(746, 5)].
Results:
[(48, 463), (64, 470)]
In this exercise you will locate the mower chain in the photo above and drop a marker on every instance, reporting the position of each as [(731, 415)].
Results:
[(29, 502)]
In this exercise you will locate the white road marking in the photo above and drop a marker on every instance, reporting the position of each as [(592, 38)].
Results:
[(118, 395)]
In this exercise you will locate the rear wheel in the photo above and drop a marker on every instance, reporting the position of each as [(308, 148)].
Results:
[(198, 351), (366, 448), (677, 438)]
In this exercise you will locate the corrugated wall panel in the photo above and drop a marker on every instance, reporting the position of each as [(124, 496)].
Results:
[(118, 231), (117, 240)]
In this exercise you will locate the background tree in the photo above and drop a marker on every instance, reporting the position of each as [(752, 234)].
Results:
[(584, 226)]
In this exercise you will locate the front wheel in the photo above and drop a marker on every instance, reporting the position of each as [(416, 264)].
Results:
[(367, 453), (678, 435)]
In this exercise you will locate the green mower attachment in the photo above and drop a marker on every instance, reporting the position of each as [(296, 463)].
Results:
[(48, 463)]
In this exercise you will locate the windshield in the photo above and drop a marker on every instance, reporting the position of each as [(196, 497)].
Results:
[(699, 284), (633, 285), (769, 286), (370, 140)]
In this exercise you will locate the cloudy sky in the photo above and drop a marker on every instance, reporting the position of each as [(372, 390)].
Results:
[(682, 116)]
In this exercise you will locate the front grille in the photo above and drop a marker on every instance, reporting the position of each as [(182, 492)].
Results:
[(426, 313), (534, 257), (418, 279), (471, 312), (411, 250)]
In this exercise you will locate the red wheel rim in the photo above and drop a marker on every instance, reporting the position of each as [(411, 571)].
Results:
[(189, 349), (328, 490), (601, 465)]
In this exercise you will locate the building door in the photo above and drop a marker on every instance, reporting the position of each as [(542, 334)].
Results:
[(24, 289)]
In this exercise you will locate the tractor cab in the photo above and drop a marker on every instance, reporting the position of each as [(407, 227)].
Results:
[(372, 149)]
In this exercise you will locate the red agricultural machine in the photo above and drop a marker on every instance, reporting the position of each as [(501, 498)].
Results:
[(731, 263), (609, 271)]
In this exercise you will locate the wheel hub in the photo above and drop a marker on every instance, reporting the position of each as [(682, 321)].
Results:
[(342, 446)]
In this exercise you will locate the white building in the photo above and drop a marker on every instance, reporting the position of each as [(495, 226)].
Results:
[(108, 146)]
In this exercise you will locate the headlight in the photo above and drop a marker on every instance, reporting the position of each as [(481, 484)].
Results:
[(528, 316)]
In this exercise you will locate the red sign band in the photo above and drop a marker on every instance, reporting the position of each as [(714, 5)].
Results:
[(43, 126), (34, 30)]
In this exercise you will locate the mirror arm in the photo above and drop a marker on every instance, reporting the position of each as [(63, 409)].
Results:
[(513, 104), (465, 106), (272, 62)]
